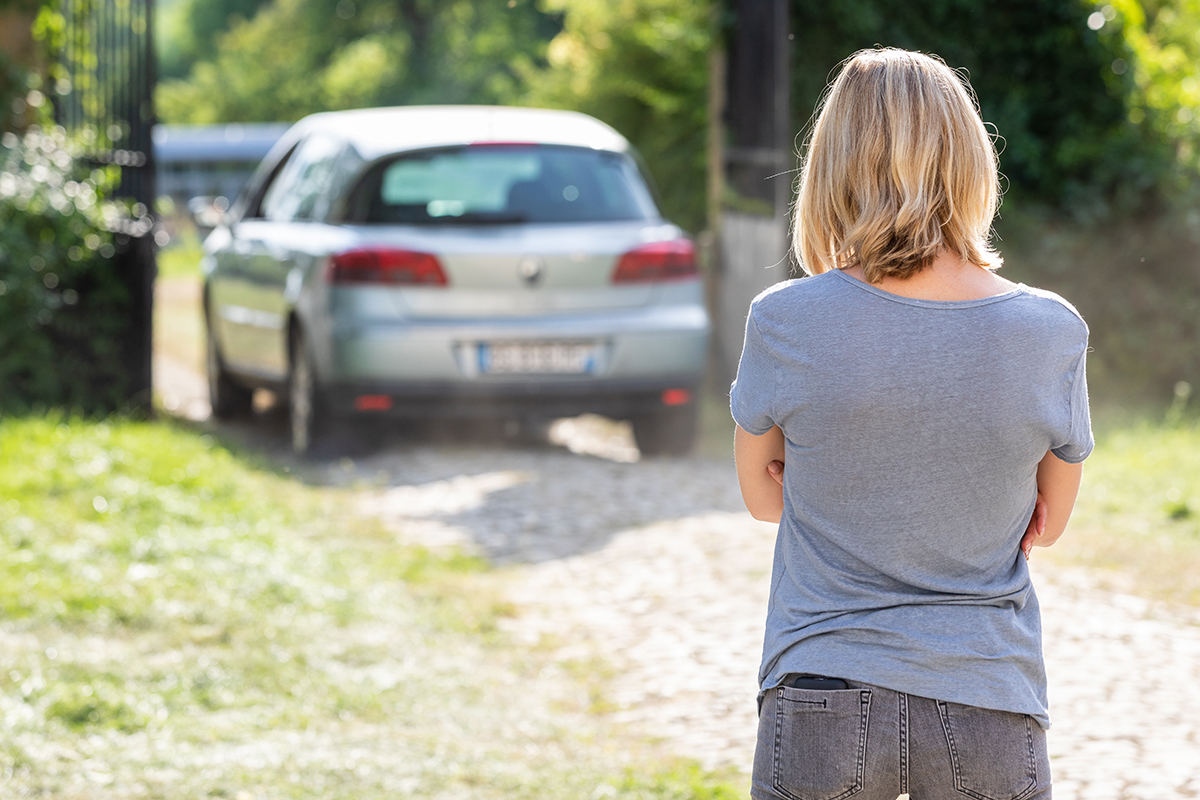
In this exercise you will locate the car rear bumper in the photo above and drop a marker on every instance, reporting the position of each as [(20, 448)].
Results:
[(638, 344), (528, 398)]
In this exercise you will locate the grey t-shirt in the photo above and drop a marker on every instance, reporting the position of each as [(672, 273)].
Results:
[(913, 432)]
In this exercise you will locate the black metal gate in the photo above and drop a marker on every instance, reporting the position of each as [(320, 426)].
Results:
[(104, 93)]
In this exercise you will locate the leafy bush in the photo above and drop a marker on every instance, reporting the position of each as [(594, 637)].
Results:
[(1058, 91), (642, 67), (63, 305)]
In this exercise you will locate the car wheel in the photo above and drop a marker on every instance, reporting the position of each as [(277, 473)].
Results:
[(307, 415), (671, 432), (228, 398)]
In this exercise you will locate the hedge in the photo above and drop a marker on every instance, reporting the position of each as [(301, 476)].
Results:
[(63, 306)]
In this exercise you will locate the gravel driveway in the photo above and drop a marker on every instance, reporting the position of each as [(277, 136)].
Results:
[(650, 579)]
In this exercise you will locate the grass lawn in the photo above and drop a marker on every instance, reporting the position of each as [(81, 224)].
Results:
[(181, 620), (181, 258), (1137, 521), (177, 620)]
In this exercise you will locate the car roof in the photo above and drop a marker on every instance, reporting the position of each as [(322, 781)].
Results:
[(377, 132)]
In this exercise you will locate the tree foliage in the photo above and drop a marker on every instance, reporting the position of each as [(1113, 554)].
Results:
[(295, 57), (188, 31), (1058, 91), (642, 67), (63, 304), (1161, 36)]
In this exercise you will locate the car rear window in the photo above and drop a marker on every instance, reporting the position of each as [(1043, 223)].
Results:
[(504, 183)]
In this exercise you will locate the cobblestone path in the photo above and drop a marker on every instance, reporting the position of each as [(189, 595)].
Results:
[(653, 573)]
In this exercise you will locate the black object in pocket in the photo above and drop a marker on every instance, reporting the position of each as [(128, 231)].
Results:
[(815, 682), (820, 742)]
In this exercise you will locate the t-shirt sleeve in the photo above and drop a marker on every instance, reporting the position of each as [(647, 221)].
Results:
[(1080, 442), (752, 396)]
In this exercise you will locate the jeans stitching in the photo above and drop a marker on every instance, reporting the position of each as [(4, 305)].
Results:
[(820, 703), (1032, 762), (863, 725), (775, 778), (944, 714), (902, 701)]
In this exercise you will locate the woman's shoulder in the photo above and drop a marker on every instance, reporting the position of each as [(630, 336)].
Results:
[(793, 294), (1052, 307)]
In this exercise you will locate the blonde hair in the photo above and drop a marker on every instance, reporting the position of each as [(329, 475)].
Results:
[(899, 168)]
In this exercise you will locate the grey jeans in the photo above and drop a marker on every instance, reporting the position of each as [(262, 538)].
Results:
[(870, 743)]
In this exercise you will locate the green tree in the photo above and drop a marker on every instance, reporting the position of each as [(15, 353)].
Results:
[(296, 57), (1165, 73), (188, 31), (642, 67), (1057, 90)]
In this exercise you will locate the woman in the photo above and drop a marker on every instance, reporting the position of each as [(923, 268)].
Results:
[(914, 422)]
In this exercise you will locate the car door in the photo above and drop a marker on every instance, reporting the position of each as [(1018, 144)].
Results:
[(254, 301), (232, 287)]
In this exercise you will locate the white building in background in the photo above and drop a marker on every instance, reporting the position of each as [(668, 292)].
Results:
[(210, 160)]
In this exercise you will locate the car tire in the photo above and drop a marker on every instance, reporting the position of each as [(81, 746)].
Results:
[(229, 399), (670, 432), (308, 416)]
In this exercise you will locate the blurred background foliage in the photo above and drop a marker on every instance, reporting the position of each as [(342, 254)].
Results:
[(63, 305), (1096, 104), (642, 67), (282, 59)]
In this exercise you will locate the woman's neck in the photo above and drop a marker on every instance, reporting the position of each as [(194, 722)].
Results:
[(947, 278)]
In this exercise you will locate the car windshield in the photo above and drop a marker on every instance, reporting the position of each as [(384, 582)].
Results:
[(504, 183)]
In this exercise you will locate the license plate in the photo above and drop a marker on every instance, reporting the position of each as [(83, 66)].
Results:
[(540, 358)]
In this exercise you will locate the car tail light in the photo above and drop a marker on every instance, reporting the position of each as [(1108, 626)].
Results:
[(373, 402), (387, 266), (676, 397), (656, 262)]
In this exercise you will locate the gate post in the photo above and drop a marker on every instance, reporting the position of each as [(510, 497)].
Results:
[(756, 173), (108, 57)]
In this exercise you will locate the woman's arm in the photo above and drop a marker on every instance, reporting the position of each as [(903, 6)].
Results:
[(762, 489), (1058, 486)]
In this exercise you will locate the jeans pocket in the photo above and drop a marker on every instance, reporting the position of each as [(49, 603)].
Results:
[(992, 753), (820, 742)]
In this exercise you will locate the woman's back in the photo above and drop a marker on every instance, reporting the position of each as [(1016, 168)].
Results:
[(914, 422), (913, 430)]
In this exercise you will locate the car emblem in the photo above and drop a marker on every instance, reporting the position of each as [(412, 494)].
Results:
[(530, 269)]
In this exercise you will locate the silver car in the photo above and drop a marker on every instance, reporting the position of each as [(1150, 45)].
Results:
[(462, 261)]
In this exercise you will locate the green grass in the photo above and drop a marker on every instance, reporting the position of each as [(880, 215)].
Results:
[(177, 619), (181, 258), (1137, 520)]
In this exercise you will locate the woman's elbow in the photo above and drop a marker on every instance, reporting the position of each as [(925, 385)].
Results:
[(765, 511)]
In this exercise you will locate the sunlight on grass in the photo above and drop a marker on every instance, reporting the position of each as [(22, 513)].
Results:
[(1138, 515), (181, 258), (177, 620)]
